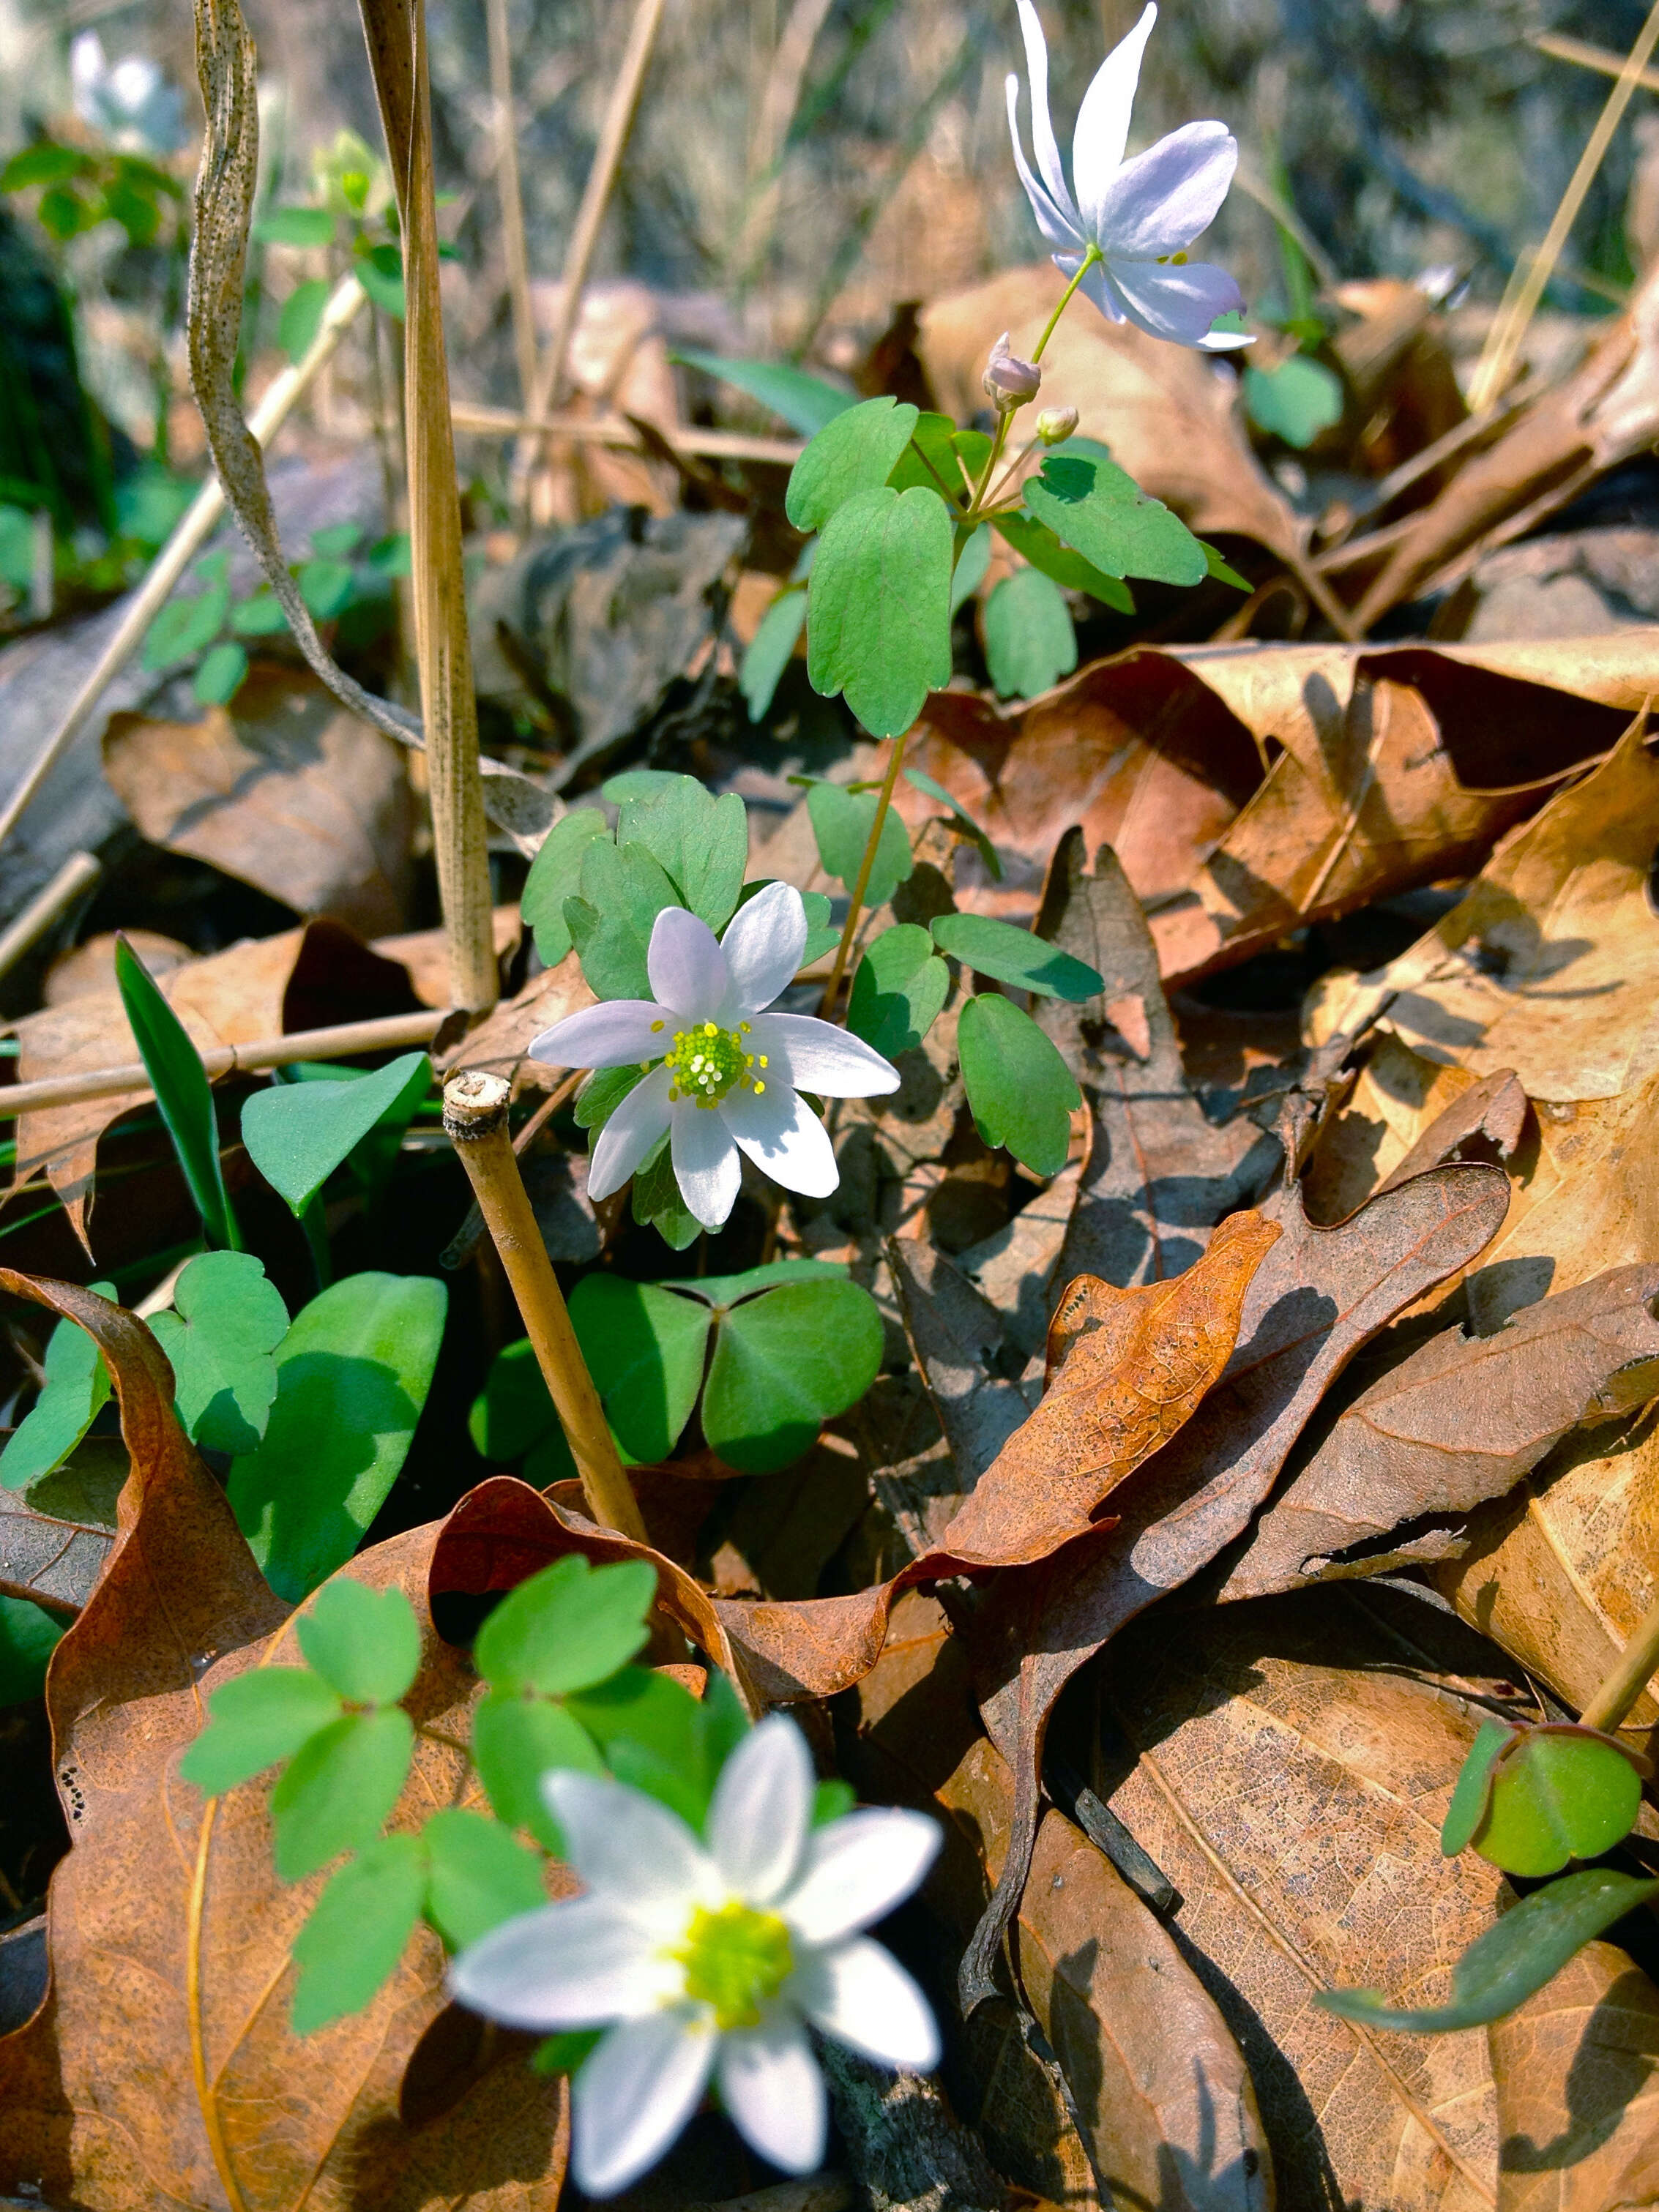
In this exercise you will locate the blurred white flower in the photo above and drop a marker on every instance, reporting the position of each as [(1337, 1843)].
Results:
[(712, 1961), (1140, 216), (130, 103), (729, 1073)]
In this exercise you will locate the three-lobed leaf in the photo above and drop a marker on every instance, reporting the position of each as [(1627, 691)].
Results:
[(517, 1738), (365, 1644), (855, 451), (1020, 1089), (555, 876), (878, 625), (478, 1875), (566, 1627), (644, 1348), (783, 1364), (701, 843), (1037, 544), (1557, 1793), (255, 1721), (623, 890), (225, 1323), (1015, 955)]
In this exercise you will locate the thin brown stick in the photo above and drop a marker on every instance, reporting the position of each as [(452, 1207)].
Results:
[(459, 1250), (474, 1119), (1627, 1677), (831, 990), (1601, 58), (340, 1042), (510, 196), (78, 873), (615, 430), (590, 219)]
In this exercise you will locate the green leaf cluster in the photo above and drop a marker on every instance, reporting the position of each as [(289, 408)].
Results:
[(771, 1355), (81, 187)]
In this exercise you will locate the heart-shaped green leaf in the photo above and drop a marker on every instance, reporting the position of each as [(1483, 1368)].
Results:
[(226, 1324), (644, 1348), (1557, 1794), (783, 1364), (897, 993), (856, 451), (297, 1134), (1099, 510), (1019, 1088), (1030, 642), (878, 619)]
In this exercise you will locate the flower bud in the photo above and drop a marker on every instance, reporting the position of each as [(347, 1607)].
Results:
[(1008, 381), (1056, 424)]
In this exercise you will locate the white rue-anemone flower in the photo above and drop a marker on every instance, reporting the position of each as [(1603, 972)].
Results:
[(711, 1960), (728, 1073), (1140, 216)]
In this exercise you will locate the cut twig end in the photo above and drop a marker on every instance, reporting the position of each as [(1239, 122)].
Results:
[(475, 1104)]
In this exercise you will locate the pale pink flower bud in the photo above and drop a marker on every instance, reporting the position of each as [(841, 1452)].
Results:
[(1008, 381)]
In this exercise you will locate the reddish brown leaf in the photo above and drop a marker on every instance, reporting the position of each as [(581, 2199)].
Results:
[(1460, 1420)]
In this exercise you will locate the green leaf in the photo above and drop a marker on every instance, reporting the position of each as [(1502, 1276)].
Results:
[(1036, 544), (701, 843), (879, 607), (365, 1644), (219, 678), (657, 1202), (297, 1134), (45, 162), (805, 402), (555, 876), (337, 541), (604, 1091), (478, 1875), (832, 1801), (972, 562), (260, 617), (854, 452), (335, 1792), (771, 649), (255, 1721), (962, 823), (185, 627), (1019, 1088), (656, 1737), (564, 2052), (930, 459), (326, 588), (1221, 568), (644, 1348), (379, 270), (513, 1410), (623, 890), (1467, 1808), (841, 822), (566, 1627), (1506, 1965), (301, 319), (897, 993), (352, 1375), (1295, 401), (1030, 642), (182, 1092), (297, 226), (356, 1932), (783, 1364), (1557, 1794), (76, 1387), (1015, 955), (728, 1289), (1098, 509), (515, 1741), (28, 1636), (227, 1323)]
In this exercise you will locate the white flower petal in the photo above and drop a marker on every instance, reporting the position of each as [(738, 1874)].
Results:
[(764, 943), (634, 2094), (783, 1136), (1167, 197), (763, 1811), (628, 1135), (857, 1870), (610, 1035), (861, 1994), (1057, 229), (1179, 304), (1103, 123), (685, 964), (770, 2084), (629, 1849), (578, 1964), (1043, 142), (706, 1165), (817, 1056)]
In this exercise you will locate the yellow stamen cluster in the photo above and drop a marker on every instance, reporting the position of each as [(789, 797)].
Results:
[(1179, 259), (709, 1063), (734, 1959)]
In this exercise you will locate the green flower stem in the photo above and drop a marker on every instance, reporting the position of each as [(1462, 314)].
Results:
[(1627, 1677), (832, 991), (976, 507), (1087, 263)]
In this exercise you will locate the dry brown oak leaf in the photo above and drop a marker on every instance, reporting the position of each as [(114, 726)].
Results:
[(1402, 1114), (1318, 1295), (1549, 964), (161, 2068), (56, 1535), (1129, 1384), (1460, 1420), (1159, 2107)]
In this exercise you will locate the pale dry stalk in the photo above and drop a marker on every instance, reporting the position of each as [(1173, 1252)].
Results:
[(1627, 1677), (514, 245), (475, 1120)]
